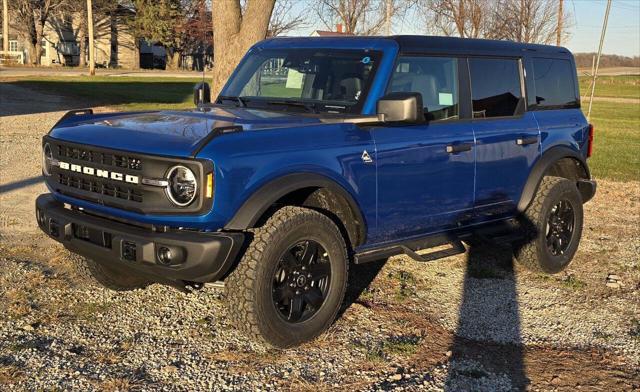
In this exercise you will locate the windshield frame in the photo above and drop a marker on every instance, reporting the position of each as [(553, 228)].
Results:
[(320, 106)]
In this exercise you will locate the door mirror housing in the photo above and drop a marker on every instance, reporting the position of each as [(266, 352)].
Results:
[(201, 93), (401, 107)]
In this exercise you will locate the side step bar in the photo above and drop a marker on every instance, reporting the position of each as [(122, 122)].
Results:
[(412, 250), (455, 249)]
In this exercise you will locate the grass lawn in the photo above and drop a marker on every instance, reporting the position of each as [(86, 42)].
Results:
[(627, 86), (124, 93), (616, 153)]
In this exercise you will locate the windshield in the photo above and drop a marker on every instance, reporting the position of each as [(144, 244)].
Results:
[(313, 80)]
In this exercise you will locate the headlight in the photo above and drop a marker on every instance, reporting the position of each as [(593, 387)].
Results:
[(183, 186), (47, 159)]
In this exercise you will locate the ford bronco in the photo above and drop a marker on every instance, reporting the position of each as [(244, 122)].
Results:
[(323, 152)]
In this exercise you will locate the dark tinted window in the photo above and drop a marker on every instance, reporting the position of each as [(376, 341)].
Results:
[(495, 87), (554, 83), (436, 78)]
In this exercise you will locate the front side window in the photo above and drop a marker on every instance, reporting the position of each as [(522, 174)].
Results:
[(436, 78), (495, 87), (555, 87), (318, 80)]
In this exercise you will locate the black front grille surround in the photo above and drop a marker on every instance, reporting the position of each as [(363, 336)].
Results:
[(140, 198)]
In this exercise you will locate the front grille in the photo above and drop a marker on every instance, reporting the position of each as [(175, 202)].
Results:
[(113, 178), (100, 187), (103, 158)]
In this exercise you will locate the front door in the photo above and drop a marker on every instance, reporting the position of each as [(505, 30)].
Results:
[(425, 171)]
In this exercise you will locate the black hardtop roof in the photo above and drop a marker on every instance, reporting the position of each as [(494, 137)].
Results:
[(444, 45), (432, 44)]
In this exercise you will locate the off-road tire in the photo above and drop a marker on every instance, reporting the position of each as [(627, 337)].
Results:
[(249, 287), (111, 279), (532, 252)]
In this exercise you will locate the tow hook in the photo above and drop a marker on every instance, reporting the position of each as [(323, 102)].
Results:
[(191, 287)]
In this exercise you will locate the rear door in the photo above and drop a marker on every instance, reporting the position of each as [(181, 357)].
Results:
[(507, 136), (422, 185)]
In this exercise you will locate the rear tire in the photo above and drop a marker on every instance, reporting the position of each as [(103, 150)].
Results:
[(291, 281), (107, 277), (552, 227)]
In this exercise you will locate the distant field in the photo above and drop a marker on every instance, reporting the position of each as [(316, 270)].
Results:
[(627, 86), (617, 141)]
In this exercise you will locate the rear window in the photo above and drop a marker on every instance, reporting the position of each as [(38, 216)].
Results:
[(555, 87), (495, 87)]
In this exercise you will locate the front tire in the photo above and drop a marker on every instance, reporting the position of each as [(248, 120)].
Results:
[(552, 227), (291, 281)]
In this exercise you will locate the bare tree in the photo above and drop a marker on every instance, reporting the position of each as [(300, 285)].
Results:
[(462, 18), (283, 19), (31, 18), (534, 21), (234, 32), (359, 17)]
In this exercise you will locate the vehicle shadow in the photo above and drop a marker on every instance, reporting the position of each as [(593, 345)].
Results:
[(487, 348), (360, 278)]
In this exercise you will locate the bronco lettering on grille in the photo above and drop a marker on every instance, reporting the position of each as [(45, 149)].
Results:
[(99, 173)]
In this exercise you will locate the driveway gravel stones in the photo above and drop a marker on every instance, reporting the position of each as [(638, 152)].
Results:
[(470, 322)]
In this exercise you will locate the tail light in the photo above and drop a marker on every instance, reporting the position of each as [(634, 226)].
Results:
[(590, 141)]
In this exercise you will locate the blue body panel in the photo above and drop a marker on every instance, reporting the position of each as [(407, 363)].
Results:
[(412, 188)]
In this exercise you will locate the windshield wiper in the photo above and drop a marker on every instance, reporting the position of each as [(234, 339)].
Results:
[(242, 102), (308, 106)]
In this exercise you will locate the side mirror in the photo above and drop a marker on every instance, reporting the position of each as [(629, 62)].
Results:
[(401, 107), (201, 93)]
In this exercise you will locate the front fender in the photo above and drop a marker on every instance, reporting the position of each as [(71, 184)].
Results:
[(259, 202)]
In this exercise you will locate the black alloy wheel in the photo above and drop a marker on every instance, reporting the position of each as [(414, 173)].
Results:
[(301, 281), (560, 226)]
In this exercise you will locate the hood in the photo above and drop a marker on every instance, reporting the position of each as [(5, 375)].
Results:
[(170, 133)]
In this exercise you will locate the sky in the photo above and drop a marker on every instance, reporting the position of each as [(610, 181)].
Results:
[(585, 19)]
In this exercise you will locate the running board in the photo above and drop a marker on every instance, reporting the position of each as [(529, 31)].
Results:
[(455, 248), (415, 250)]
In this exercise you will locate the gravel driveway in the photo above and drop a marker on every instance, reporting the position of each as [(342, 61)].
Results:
[(470, 322)]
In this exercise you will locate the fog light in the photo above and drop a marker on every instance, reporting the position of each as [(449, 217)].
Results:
[(164, 255)]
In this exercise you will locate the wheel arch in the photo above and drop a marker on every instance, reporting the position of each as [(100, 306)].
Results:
[(560, 161), (307, 190)]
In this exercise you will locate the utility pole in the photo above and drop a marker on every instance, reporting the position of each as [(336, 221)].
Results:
[(5, 27), (92, 62), (560, 18), (595, 72), (387, 18)]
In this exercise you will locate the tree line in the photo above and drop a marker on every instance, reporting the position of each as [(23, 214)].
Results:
[(232, 26)]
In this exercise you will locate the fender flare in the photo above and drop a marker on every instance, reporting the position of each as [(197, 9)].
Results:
[(548, 158), (259, 202)]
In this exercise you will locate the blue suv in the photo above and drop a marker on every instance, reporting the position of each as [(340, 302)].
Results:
[(323, 152)]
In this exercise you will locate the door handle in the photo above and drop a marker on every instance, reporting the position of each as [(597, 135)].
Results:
[(523, 141), (456, 148)]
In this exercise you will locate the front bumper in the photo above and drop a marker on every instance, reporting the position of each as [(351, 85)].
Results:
[(194, 256)]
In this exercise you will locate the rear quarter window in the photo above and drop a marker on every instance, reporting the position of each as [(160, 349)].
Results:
[(554, 84)]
